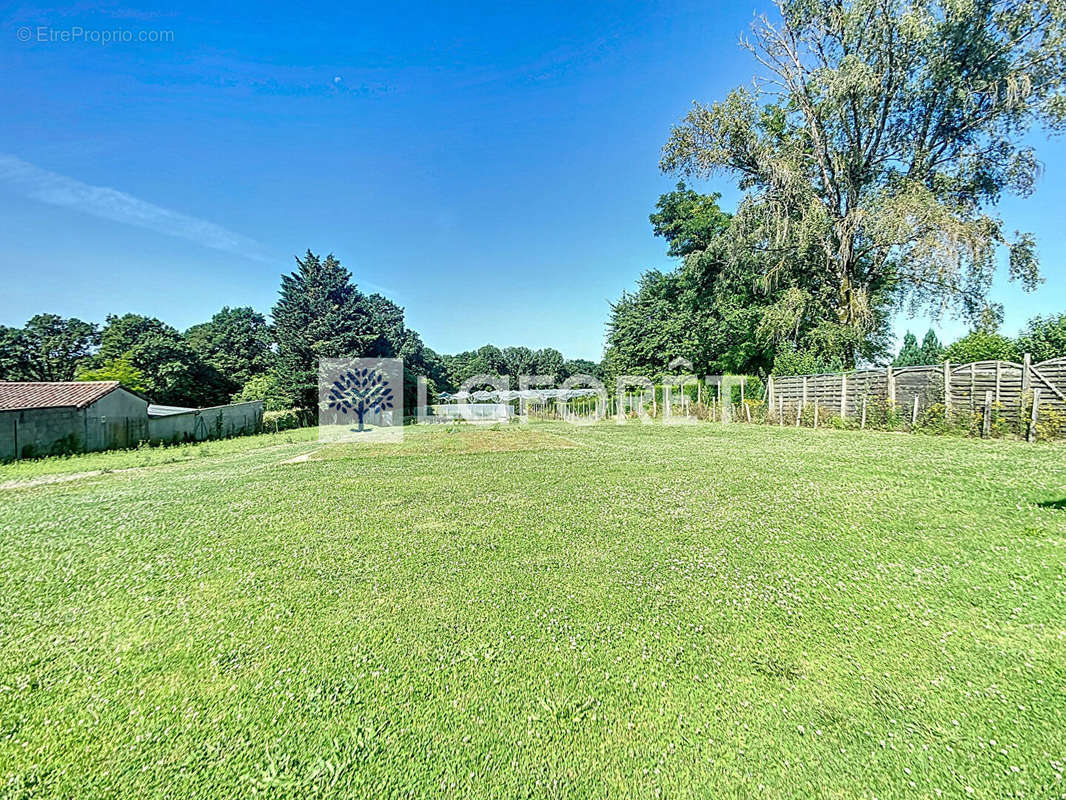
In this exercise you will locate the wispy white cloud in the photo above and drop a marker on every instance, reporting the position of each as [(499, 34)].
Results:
[(101, 201)]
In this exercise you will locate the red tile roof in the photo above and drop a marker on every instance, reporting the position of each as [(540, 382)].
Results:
[(15, 396)]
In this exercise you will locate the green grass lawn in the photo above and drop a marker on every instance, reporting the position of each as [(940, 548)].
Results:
[(548, 612)]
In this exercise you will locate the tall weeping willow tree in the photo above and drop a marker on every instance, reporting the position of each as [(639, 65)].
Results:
[(872, 151)]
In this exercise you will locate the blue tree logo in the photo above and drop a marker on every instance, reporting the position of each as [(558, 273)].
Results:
[(360, 392)]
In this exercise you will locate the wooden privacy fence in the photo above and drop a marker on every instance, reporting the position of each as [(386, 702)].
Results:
[(1015, 395)]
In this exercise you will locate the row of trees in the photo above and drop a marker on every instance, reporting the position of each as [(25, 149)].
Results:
[(514, 362), (1043, 337), (711, 313), (240, 355), (870, 154), (203, 366)]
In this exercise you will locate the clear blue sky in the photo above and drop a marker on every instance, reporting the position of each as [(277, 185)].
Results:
[(490, 166)]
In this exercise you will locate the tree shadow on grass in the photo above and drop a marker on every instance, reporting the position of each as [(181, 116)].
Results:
[(1059, 504)]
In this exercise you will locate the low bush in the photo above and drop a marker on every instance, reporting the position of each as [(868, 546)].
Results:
[(959, 422), (826, 416), (845, 423), (274, 421), (753, 409), (883, 415), (700, 411), (1050, 425)]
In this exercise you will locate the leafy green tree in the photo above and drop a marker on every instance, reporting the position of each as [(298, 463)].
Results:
[(875, 147), (707, 311), (548, 361), (48, 348), (236, 342), (396, 340), (119, 369), (418, 361), (688, 221), (1044, 337), (582, 366), (653, 325), (320, 314), (486, 360), (14, 355), (172, 372), (913, 355), (121, 334), (436, 370), (264, 388), (932, 350), (982, 345), (910, 355), (792, 361), (451, 371), (518, 361), (457, 369), (387, 322), (490, 360)]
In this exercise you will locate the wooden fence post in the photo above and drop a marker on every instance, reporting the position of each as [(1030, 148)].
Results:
[(999, 374), (986, 426), (890, 385), (1033, 416), (780, 409), (816, 412), (973, 385), (947, 388), (914, 414), (843, 395), (803, 404), (770, 393), (1027, 362), (862, 425)]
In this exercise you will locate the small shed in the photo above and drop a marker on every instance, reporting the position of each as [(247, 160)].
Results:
[(40, 419)]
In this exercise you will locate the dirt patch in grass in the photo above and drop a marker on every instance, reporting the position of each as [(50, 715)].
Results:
[(449, 441), (44, 479)]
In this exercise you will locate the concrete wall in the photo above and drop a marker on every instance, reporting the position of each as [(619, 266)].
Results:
[(118, 419), (36, 432), (207, 423)]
